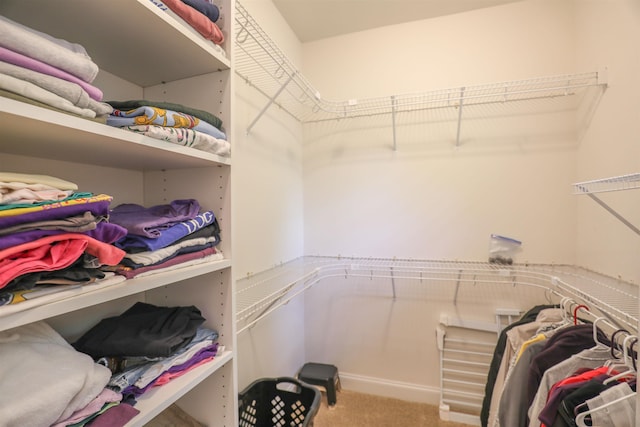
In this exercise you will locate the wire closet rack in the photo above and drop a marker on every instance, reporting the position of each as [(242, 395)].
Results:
[(261, 294), (261, 63), (604, 185), (616, 183)]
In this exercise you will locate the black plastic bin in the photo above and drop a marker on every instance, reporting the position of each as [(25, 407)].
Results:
[(278, 402)]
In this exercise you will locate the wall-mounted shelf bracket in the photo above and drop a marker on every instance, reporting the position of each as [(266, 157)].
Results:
[(393, 121), (459, 116), (271, 101), (618, 183), (393, 284)]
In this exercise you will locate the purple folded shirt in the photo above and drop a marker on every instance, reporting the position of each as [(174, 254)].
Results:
[(97, 208), (206, 353), (150, 222), (104, 232), (116, 416), (167, 237)]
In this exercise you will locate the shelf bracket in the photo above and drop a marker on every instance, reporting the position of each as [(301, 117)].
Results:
[(271, 101), (616, 183), (614, 213), (459, 117), (455, 295), (393, 284), (275, 303), (393, 121)]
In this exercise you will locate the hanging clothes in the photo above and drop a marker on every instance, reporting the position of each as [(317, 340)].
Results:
[(553, 374), (498, 354), (516, 336), (567, 351), (620, 414)]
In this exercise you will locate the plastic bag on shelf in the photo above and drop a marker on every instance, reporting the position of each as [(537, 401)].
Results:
[(502, 250)]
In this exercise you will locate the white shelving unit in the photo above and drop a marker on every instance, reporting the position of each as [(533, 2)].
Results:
[(262, 64), (105, 145), (146, 53)]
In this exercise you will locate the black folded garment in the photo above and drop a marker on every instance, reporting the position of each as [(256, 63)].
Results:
[(142, 330)]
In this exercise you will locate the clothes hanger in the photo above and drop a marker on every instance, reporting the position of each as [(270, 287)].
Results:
[(565, 312), (595, 333), (575, 312), (614, 359), (580, 418), (630, 370), (629, 359), (549, 293), (561, 304), (613, 342)]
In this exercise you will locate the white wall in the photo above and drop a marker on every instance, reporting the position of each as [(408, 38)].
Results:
[(608, 32), (381, 333), (431, 199), (267, 167), (519, 40), (267, 198)]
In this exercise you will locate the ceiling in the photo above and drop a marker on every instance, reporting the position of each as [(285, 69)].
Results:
[(317, 19)]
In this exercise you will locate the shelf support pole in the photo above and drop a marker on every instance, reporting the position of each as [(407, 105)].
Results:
[(393, 284), (271, 101), (459, 116), (614, 213), (455, 296), (393, 121)]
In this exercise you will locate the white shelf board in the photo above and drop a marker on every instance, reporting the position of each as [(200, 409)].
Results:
[(134, 40), (86, 296), (159, 398), (34, 131)]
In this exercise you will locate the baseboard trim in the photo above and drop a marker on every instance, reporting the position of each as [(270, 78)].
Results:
[(388, 388)]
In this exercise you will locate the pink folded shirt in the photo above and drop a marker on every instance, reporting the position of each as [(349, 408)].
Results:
[(209, 30), (53, 253)]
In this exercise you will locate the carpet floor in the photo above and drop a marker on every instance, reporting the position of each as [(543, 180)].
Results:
[(364, 410)]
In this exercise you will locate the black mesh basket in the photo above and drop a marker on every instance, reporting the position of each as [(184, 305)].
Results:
[(278, 402)]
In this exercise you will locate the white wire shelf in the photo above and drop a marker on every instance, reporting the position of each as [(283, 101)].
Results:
[(604, 185), (616, 183), (261, 63), (260, 294)]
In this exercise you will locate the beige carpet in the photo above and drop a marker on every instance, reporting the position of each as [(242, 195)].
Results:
[(365, 410)]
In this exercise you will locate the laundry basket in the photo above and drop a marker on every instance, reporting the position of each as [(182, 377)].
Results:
[(278, 402)]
